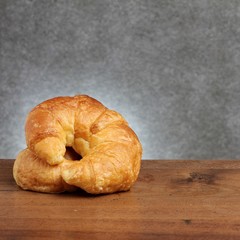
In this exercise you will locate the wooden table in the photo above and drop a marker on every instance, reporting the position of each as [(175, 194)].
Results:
[(172, 199)]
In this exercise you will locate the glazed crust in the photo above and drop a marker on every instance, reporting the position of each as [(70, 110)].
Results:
[(111, 152)]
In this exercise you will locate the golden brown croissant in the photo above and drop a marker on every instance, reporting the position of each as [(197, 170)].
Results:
[(111, 152)]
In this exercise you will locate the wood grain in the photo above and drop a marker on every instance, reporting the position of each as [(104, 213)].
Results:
[(172, 199)]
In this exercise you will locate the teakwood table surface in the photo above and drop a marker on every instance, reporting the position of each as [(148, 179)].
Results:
[(172, 199)]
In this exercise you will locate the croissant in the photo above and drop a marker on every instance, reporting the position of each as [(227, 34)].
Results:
[(62, 130)]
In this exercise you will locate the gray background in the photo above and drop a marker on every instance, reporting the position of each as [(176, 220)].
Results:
[(172, 68)]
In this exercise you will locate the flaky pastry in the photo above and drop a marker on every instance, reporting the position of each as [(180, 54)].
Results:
[(110, 150)]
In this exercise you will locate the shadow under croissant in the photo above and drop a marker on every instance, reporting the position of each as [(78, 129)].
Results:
[(79, 193)]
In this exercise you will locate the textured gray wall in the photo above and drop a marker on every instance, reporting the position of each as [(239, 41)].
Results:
[(172, 68)]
